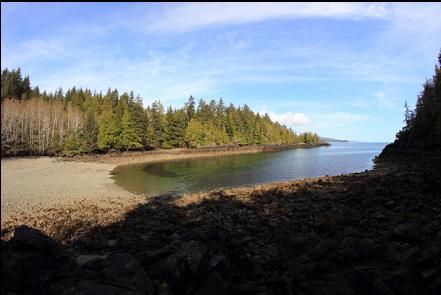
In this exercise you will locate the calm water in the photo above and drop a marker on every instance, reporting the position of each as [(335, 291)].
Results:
[(237, 170)]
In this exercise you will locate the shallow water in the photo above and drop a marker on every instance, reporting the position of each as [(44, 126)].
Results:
[(247, 169)]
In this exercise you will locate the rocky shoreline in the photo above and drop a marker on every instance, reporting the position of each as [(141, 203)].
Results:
[(33, 186), (162, 155), (376, 232)]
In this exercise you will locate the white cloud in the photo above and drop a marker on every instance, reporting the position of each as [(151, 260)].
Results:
[(193, 16), (289, 118), (204, 66)]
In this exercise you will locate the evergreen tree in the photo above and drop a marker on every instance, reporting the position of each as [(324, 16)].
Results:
[(140, 119), (72, 143), (190, 108), (175, 128), (194, 134), (90, 133), (156, 121), (92, 121), (108, 130), (127, 139), (422, 130)]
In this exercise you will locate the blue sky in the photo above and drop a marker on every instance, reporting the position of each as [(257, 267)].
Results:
[(342, 70)]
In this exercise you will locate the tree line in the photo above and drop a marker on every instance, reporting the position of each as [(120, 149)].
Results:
[(422, 130), (81, 121)]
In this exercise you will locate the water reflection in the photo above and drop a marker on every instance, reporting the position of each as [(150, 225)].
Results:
[(236, 170)]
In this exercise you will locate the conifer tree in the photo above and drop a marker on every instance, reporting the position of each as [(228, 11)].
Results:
[(127, 138), (157, 124), (84, 120), (194, 134), (108, 130), (90, 133)]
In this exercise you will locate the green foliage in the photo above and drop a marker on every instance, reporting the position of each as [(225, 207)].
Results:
[(90, 133), (73, 144), (194, 134), (108, 130), (157, 123), (14, 86), (114, 121), (140, 120), (127, 139), (423, 125), (175, 125)]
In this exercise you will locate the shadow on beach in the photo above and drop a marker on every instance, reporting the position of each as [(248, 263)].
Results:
[(365, 233)]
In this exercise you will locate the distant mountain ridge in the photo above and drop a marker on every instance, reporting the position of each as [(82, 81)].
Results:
[(327, 139)]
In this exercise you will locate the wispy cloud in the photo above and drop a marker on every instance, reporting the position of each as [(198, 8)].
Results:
[(310, 65), (187, 17)]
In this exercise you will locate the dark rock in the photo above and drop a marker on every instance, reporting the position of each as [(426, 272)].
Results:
[(428, 274), (163, 288), (326, 288), (431, 228), (322, 252), (367, 248), (213, 285), (324, 242), (390, 204), (121, 271), (111, 243), (187, 266), (304, 268), (359, 279), (380, 288), (85, 258), (407, 232), (381, 217), (31, 258), (148, 257), (434, 288), (94, 240), (354, 215), (298, 240), (430, 255), (89, 287), (281, 286), (36, 240), (195, 257), (402, 281), (205, 233), (125, 271), (218, 262), (153, 240)]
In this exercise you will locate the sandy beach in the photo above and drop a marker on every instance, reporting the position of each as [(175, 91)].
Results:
[(34, 190), (31, 186)]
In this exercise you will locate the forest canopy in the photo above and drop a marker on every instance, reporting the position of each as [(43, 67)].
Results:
[(422, 130), (80, 121)]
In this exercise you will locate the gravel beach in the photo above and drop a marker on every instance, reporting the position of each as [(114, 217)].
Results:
[(375, 232), (32, 185), (36, 191)]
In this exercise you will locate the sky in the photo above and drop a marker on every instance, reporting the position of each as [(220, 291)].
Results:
[(343, 70)]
